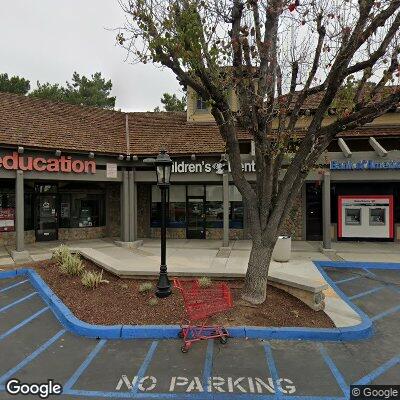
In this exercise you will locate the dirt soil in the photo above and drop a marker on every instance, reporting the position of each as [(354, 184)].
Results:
[(119, 302)]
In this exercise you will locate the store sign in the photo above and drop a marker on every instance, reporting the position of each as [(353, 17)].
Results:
[(111, 170), (7, 216), (183, 167), (63, 164), (364, 165)]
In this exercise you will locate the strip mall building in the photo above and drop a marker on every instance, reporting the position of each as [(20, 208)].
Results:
[(76, 172)]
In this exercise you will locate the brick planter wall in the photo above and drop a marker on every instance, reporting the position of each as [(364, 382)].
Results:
[(8, 238), (82, 233)]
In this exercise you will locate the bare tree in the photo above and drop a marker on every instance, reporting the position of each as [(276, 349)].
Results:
[(276, 55)]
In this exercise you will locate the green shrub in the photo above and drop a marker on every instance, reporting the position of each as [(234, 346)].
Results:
[(72, 265), (61, 253), (92, 279), (145, 287), (153, 301), (204, 282)]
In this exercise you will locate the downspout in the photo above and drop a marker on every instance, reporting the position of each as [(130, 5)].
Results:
[(128, 144)]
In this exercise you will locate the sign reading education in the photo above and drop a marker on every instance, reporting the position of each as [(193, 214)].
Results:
[(364, 165), (63, 164)]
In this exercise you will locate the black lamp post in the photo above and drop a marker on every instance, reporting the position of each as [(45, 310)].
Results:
[(163, 164)]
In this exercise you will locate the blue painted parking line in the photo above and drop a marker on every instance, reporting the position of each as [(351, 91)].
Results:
[(208, 363), (386, 313), (31, 357), (24, 322), (145, 365), (366, 293), (71, 381), (334, 369), (272, 369), (13, 286), (348, 279), (5, 308), (379, 371)]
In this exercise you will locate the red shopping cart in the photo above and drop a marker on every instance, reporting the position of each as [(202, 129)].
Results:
[(201, 303)]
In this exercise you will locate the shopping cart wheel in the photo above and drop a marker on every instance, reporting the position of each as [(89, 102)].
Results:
[(223, 339), (184, 348)]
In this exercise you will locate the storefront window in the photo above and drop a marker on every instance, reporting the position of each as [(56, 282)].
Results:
[(353, 216), (7, 208), (236, 209), (82, 209), (214, 209), (377, 216), (176, 207)]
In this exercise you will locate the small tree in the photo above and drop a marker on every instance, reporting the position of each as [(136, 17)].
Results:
[(14, 84), (171, 102), (275, 55), (94, 91)]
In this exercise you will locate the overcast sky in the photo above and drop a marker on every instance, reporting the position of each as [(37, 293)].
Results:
[(47, 40)]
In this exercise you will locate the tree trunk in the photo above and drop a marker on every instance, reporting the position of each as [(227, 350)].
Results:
[(255, 285)]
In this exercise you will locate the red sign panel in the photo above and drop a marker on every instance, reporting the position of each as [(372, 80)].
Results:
[(7, 218)]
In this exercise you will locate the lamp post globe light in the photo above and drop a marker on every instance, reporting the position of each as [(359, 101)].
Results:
[(163, 164)]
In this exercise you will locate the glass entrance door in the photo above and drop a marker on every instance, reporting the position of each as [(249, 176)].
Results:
[(47, 217), (195, 218)]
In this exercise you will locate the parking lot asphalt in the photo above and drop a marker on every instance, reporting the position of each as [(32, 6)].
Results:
[(35, 347)]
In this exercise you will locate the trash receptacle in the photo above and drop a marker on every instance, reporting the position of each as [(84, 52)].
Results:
[(283, 249)]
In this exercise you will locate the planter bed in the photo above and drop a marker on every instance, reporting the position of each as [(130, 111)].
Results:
[(120, 303)]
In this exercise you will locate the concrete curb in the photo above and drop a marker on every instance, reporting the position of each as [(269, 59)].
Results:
[(69, 321)]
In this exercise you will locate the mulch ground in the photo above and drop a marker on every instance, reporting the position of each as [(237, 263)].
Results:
[(120, 302)]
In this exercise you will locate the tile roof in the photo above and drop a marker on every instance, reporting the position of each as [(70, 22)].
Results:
[(45, 124), (149, 131), (55, 125)]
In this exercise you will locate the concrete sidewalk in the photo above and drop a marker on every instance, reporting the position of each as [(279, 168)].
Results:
[(203, 257)]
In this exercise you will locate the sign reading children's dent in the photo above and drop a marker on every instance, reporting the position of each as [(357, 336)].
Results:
[(183, 167)]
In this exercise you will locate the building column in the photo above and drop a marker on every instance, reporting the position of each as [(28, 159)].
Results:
[(225, 184), (326, 208), (20, 255), (125, 207), (132, 212), (19, 212)]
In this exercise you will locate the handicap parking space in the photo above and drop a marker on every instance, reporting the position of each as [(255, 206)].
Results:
[(253, 376), (15, 316), (12, 296), (304, 364), (116, 360), (358, 285), (69, 350), (36, 348), (340, 274), (178, 372), (391, 277), (10, 282), (378, 302), (15, 348)]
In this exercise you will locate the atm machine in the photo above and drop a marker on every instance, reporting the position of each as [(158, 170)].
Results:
[(365, 217)]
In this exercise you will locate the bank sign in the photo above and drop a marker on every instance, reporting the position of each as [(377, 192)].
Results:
[(364, 165), (63, 164)]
